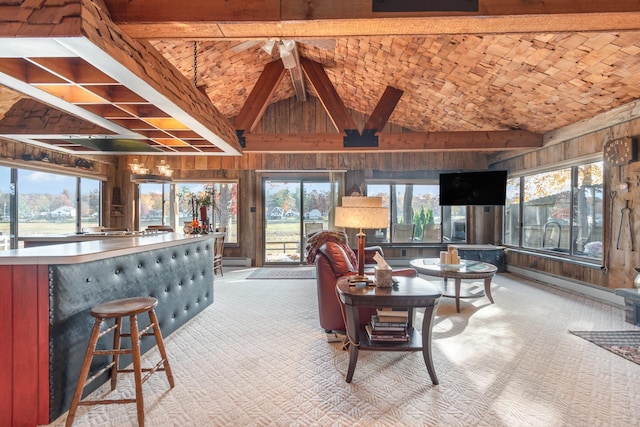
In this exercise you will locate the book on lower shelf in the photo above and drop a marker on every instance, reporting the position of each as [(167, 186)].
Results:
[(392, 315), (381, 324), (387, 336)]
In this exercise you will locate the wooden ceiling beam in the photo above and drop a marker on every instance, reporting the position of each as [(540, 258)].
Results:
[(328, 96), (297, 76), (219, 19), (384, 109), (258, 100), (395, 142)]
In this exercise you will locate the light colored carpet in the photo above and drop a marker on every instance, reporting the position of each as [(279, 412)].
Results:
[(258, 357), (283, 273)]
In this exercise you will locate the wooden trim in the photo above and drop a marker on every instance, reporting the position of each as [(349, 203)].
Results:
[(396, 142)]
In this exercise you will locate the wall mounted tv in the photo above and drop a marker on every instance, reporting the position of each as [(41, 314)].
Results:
[(473, 188)]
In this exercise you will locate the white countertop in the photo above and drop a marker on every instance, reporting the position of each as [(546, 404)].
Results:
[(78, 252)]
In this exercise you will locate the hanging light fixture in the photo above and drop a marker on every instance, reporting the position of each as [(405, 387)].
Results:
[(141, 175)]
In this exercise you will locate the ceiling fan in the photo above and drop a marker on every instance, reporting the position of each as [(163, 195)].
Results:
[(286, 47), (288, 50)]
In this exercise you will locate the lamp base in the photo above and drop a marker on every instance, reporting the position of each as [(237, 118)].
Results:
[(360, 279)]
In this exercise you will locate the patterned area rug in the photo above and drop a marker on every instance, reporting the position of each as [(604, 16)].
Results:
[(283, 273), (622, 343)]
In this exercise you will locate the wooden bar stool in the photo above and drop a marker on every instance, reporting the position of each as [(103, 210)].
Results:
[(129, 307)]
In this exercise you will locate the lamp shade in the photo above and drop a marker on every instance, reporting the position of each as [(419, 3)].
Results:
[(362, 213)]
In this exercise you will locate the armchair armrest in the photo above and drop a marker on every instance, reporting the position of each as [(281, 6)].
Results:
[(406, 272), (370, 252)]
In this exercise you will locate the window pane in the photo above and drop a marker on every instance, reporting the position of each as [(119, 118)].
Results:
[(5, 198), (587, 211), (512, 213), (416, 217), (46, 203), (454, 223), (379, 235), (89, 203), (547, 208), (414, 211), (226, 212), (154, 205)]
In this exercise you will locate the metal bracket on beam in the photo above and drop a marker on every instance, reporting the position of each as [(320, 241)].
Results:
[(241, 139), (368, 139)]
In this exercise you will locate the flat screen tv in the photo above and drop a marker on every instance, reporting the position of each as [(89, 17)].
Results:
[(473, 188)]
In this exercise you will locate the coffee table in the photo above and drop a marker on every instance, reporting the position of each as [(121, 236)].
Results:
[(406, 292), (472, 270)]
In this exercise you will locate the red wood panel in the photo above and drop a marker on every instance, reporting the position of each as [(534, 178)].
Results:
[(25, 345), (43, 344), (6, 340)]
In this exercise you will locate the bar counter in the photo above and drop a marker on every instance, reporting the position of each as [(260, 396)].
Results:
[(46, 294)]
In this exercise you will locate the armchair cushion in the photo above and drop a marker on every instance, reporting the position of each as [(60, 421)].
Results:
[(370, 252)]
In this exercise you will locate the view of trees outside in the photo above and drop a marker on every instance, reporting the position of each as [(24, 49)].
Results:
[(47, 203), (153, 209), (89, 203), (290, 205), (512, 213), (562, 210), (418, 204)]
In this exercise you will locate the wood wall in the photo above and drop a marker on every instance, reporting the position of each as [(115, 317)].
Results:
[(309, 117)]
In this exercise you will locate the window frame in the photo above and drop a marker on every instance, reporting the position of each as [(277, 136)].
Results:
[(15, 194), (572, 252)]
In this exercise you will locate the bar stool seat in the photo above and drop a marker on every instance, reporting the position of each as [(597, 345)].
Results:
[(119, 309)]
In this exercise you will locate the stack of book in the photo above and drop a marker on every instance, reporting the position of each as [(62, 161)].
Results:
[(388, 326)]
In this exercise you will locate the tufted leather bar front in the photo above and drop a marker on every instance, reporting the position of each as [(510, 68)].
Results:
[(180, 277)]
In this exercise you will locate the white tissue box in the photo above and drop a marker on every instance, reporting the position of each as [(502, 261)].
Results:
[(383, 277)]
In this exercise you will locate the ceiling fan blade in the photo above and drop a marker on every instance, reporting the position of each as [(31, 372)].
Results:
[(245, 45), (268, 46)]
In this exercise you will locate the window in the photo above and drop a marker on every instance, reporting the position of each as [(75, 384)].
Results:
[(5, 205), (90, 202), (223, 210), (415, 215), (46, 203), (154, 205), (560, 210)]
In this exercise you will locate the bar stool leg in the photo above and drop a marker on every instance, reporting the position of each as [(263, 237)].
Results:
[(160, 343), (137, 368), (84, 371), (116, 356)]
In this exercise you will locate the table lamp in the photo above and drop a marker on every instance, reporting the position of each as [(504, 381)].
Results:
[(361, 213)]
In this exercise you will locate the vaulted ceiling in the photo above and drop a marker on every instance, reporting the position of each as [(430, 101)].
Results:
[(508, 76)]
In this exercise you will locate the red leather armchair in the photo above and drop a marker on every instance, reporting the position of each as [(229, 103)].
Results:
[(332, 262)]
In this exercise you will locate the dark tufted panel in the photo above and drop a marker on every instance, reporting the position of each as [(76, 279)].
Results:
[(180, 277)]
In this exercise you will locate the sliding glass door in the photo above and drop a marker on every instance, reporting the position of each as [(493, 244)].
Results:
[(294, 209)]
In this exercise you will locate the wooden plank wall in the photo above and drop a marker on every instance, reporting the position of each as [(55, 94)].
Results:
[(291, 116)]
